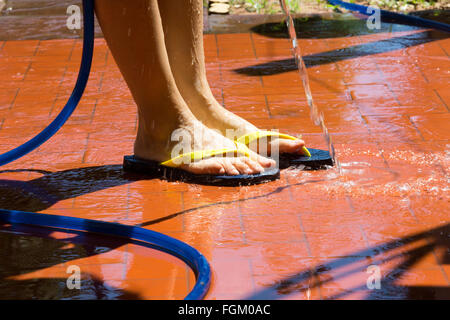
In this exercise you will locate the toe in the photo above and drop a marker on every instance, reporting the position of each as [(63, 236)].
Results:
[(290, 146), (254, 165), (241, 165), (266, 162), (263, 161), (215, 167), (205, 167), (230, 169)]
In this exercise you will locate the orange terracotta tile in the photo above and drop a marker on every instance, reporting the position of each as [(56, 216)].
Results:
[(273, 287), (332, 241), (433, 127), (309, 235), (399, 127), (269, 228), (232, 271), (24, 48)]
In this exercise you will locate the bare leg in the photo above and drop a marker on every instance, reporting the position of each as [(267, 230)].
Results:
[(134, 35), (186, 56)]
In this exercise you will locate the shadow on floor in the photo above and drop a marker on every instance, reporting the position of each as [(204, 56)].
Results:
[(356, 263), (43, 192), (318, 27), (351, 52)]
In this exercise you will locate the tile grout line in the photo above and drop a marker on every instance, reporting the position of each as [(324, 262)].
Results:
[(31, 61), (100, 86), (183, 228), (366, 239), (37, 48), (127, 207), (57, 93), (14, 99), (388, 85), (305, 237), (445, 51), (360, 113), (417, 66), (412, 212), (241, 224), (252, 273), (183, 206), (415, 127), (93, 111), (442, 100), (107, 55), (60, 84), (302, 228), (267, 106), (83, 159), (398, 102), (72, 50), (311, 271)]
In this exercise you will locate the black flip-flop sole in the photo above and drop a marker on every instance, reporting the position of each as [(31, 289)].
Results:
[(156, 170), (319, 160)]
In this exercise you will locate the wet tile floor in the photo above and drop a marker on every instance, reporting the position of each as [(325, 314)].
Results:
[(309, 235)]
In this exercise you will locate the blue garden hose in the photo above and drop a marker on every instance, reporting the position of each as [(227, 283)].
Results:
[(393, 16), (188, 254)]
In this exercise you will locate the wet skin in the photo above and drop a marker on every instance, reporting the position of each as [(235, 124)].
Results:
[(171, 90)]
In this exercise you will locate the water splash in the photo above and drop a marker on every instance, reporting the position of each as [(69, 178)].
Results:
[(315, 113)]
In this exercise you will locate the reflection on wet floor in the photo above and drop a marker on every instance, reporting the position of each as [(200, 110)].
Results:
[(37, 263), (350, 52), (347, 277), (310, 235)]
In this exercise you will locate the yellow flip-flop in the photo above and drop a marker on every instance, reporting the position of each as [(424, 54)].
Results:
[(311, 158), (170, 169)]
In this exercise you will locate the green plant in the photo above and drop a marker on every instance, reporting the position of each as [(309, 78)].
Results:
[(273, 6), (256, 5), (404, 5), (294, 5)]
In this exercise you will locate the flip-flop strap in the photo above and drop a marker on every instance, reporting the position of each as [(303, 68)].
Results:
[(190, 157), (250, 137)]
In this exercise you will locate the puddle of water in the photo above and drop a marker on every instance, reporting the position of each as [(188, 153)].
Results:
[(36, 263)]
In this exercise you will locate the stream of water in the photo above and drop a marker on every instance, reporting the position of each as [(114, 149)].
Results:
[(316, 115)]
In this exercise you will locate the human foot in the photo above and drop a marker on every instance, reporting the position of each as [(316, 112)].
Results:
[(183, 135), (206, 108)]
